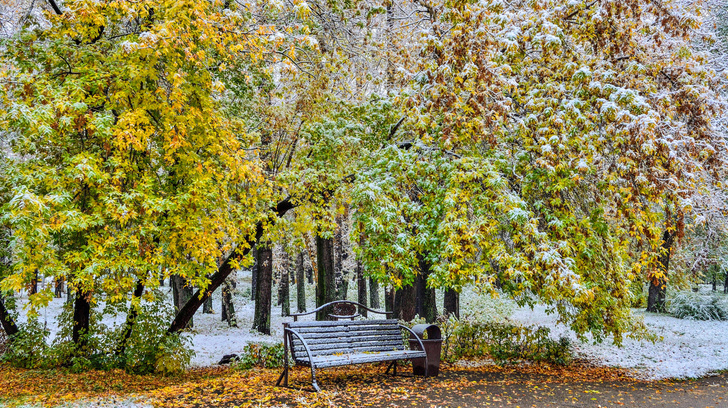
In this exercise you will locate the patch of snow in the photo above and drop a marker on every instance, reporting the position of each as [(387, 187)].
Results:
[(687, 349)]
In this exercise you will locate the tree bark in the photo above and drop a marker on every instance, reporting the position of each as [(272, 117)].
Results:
[(725, 283), (361, 285), (228, 307), (207, 306), (6, 319), (326, 285), (451, 305), (388, 299), (58, 287), (81, 320), (33, 289), (404, 303), (285, 289), (130, 319), (426, 302), (300, 285), (181, 294), (374, 294), (225, 269), (263, 295), (342, 282), (658, 285), (254, 274)]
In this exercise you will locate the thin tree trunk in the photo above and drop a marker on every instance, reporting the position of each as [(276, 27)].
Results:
[(228, 307), (254, 274), (285, 289), (130, 318), (81, 321), (207, 306), (33, 289), (658, 285), (326, 285), (6, 319), (300, 284), (426, 302), (374, 294), (725, 284), (404, 303), (58, 288), (361, 285), (452, 303), (715, 278), (263, 295), (342, 282)]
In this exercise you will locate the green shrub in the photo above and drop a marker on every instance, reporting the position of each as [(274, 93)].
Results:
[(506, 343), (149, 349), (696, 306), (29, 348), (260, 355)]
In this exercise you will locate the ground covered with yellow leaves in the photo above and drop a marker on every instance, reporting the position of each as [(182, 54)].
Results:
[(456, 386)]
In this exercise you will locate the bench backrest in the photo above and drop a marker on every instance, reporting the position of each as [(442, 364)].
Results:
[(333, 337)]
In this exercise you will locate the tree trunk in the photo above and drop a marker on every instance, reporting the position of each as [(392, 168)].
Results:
[(33, 289), (263, 294), (725, 283), (226, 268), (130, 318), (326, 285), (342, 281), (404, 303), (388, 299), (207, 306), (374, 294), (426, 302), (181, 294), (285, 289), (658, 285), (228, 307), (451, 305), (6, 319), (300, 285), (58, 293), (715, 278), (361, 285), (81, 321), (254, 275)]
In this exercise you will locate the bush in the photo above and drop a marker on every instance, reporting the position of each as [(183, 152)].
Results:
[(506, 343), (260, 355), (29, 348), (3, 342), (149, 349), (696, 306)]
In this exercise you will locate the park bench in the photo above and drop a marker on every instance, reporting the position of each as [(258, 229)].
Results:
[(321, 344)]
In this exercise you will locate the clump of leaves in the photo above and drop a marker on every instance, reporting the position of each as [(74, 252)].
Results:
[(505, 342), (695, 306), (29, 348), (3, 342), (260, 355)]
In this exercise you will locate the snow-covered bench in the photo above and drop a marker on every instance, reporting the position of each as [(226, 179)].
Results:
[(320, 344)]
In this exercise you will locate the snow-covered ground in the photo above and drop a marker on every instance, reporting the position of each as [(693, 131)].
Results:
[(687, 349)]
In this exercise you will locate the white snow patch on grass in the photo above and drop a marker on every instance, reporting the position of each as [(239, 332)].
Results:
[(688, 349)]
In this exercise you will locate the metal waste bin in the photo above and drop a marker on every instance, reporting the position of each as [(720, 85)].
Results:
[(433, 348)]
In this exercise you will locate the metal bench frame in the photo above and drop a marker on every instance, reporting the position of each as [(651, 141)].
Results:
[(339, 358)]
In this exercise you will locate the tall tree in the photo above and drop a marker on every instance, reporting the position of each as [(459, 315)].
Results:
[(263, 296), (325, 281)]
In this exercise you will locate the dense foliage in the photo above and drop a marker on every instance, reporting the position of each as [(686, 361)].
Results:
[(542, 149)]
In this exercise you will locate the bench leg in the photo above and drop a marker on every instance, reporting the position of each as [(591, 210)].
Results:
[(313, 379), (284, 377), (392, 364)]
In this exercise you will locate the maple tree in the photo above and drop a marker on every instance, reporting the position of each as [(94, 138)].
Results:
[(543, 149)]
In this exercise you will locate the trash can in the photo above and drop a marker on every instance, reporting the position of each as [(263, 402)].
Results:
[(433, 348)]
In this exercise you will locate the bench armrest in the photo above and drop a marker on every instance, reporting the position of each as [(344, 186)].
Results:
[(419, 340), (303, 341)]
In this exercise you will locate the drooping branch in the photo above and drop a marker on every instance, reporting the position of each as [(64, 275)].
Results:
[(55, 8), (226, 268)]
